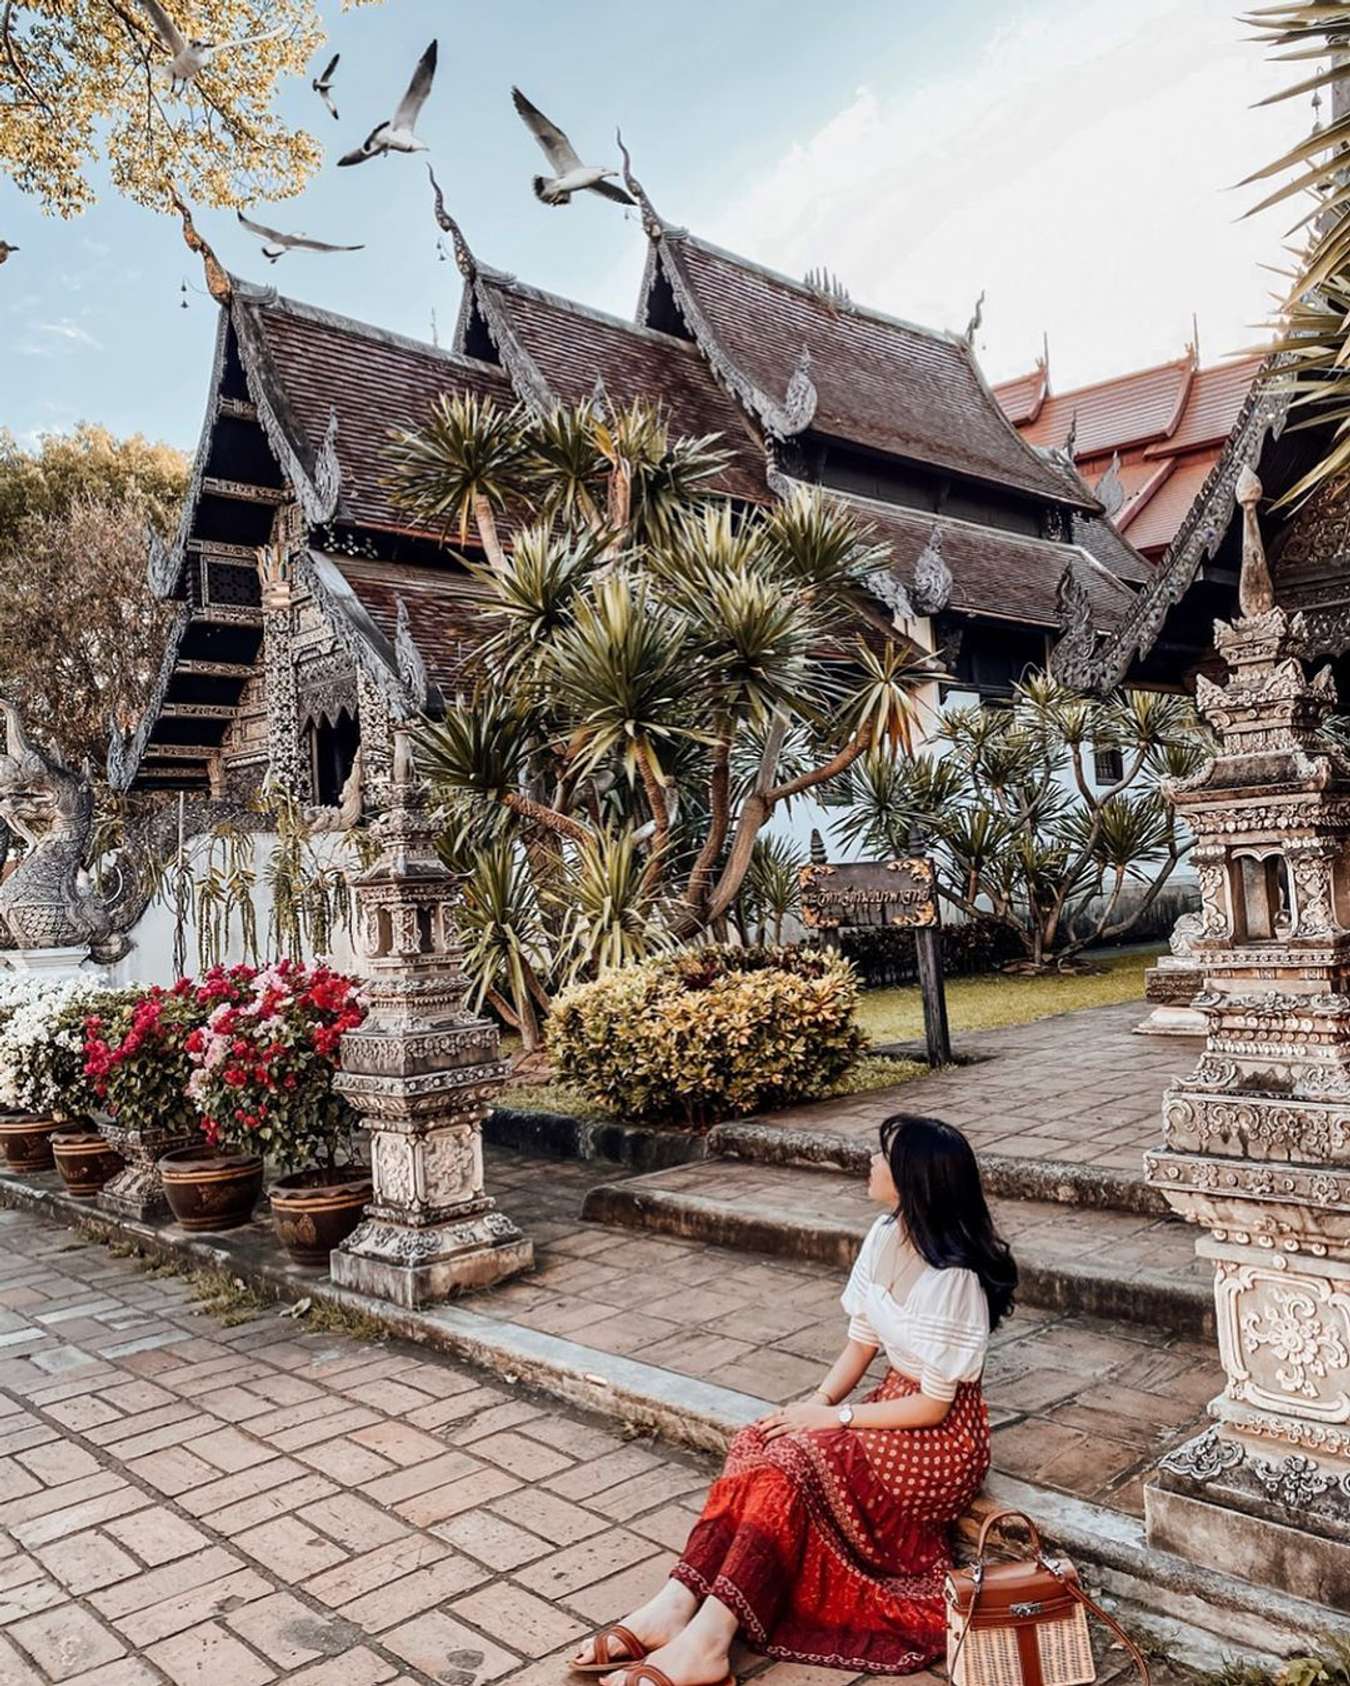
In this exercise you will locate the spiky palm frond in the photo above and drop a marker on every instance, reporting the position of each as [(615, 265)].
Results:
[(566, 466), (772, 890), (623, 673), (536, 593), (499, 920), (469, 452), (1127, 834), (612, 916), (813, 541), (667, 473), (882, 693), (479, 748)]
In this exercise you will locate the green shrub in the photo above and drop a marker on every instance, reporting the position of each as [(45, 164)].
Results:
[(708, 1033), (884, 955)]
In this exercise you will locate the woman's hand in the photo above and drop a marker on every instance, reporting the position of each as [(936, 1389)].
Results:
[(792, 1419)]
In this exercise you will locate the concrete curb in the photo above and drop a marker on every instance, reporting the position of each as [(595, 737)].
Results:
[(1157, 1301), (1195, 1615)]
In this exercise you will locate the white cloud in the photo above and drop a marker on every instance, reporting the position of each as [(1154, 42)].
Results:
[(71, 333), (1076, 169)]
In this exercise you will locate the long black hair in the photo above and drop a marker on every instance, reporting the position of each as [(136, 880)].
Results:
[(942, 1205)]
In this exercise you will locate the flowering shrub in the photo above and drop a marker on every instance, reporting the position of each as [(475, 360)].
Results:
[(710, 1033), (263, 1064), (42, 1049), (135, 1045)]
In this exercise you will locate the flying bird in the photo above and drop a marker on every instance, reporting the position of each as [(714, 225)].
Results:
[(323, 84), (276, 244), (396, 134), (190, 55), (570, 175), (6, 249)]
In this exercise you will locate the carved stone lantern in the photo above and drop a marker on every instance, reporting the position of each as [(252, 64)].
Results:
[(1257, 1139), (421, 1072)]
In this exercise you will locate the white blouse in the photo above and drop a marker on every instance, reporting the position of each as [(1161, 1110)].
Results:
[(933, 1324)]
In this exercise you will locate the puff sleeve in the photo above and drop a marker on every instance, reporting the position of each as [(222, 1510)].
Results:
[(858, 1287), (947, 1330)]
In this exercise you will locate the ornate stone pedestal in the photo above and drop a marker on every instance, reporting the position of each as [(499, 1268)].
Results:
[(1257, 1138), (1172, 985), (137, 1192), (422, 1073)]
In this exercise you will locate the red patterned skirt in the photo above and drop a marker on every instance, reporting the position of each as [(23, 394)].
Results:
[(831, 1546)]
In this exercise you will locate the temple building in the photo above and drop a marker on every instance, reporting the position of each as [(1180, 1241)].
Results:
[(310, 612), (1146, 442)]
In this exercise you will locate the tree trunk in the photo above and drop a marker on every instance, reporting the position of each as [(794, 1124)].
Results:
[(561, 824), (488, 536), (719, 818), (655, 793)]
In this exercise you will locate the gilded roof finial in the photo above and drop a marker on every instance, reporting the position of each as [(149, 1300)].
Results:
[(464, 258), (217, 280), (1256, 589)]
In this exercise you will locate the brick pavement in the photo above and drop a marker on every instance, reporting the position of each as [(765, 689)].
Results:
[(1078, 1088)]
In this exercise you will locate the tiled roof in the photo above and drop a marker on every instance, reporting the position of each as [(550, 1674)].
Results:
[(1113, 414), (444, 622), (570, 345), (1216, 396), (312, 362), (1153, 525), (1100, 538), (1006, 575), (1021, 399), (880, 383)]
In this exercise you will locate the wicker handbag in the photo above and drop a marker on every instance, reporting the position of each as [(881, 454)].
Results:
[(1023, 1623)]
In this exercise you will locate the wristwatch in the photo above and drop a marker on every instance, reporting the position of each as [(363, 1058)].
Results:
[(846, 1416)]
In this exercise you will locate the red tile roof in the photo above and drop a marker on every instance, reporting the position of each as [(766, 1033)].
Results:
[(1216, 396), (880, 383), (444, 621), (1152, 525), (312, 362), (1113, 414), (995, 573), (571, 345), (1020, 399)]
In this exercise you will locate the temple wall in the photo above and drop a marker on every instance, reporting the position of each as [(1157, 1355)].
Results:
[(244, 749)]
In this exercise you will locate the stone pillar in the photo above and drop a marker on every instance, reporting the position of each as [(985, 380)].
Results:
[(1257, 1139), (284, 758), (422, 1073), (1172, 985)]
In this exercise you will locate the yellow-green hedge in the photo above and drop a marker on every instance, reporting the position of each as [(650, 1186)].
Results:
[(709, 1034)]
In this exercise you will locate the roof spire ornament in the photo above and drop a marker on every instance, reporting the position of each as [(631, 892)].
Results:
[(465, 261), (1077, 641), (799, 402), (830, 288), (1070, 447), (932, 587), (217, 279), (973, 326), (599, 399), (412, 669), (1110, 489), (1256, 589), (654, 225)]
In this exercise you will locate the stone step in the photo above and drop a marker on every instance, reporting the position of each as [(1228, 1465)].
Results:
[(1128, 1382), (1141, 1269)]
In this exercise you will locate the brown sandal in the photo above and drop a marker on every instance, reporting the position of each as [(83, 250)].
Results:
[(634, 1650)]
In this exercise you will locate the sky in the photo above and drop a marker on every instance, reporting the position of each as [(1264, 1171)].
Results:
[(1073, 159)]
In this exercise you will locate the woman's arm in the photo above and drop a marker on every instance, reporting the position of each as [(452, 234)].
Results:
[(916, 1410), (845, 1373)]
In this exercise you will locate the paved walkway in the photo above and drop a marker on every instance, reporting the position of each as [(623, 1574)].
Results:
[(1080, 1088)]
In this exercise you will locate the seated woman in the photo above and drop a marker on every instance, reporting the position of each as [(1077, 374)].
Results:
[(826, 1538)]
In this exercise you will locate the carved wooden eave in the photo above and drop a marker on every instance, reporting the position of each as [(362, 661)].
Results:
[(1261, 420), (397, 669)]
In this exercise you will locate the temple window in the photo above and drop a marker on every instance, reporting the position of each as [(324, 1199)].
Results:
[(1262, 904), (1108, 765), (332, 754)]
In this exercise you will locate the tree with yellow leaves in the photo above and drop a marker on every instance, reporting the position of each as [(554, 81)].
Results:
[(88, 79)]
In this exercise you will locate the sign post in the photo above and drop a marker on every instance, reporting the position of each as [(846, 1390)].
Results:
[(900, 892)]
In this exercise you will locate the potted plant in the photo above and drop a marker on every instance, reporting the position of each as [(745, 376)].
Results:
[(137, 1060), (263, 1081), (24, 1134), (42, 1075)]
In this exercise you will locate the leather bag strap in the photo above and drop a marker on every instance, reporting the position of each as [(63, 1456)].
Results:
[(1095, 1609), (996, 1519)]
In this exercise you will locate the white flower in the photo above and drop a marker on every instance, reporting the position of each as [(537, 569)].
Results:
[(27, 1038)]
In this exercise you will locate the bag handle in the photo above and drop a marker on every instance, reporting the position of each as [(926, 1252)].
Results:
[(1069, 1585)]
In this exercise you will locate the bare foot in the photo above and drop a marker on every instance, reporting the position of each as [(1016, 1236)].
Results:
[(690, 1659), (656, 1623)]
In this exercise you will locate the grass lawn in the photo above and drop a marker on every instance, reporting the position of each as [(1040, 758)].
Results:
[(989, 1000)]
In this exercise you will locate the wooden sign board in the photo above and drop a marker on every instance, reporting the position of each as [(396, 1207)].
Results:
[(900, 892)]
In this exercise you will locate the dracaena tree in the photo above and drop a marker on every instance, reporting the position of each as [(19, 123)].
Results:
[(661, 673), (1021, 829)]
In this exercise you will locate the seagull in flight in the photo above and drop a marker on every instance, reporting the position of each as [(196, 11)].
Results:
[(190, 55), (570, 175), (396, 133), (323, 84), (6, 249), (276, 244)]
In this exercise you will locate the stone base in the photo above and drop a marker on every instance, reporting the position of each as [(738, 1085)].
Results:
[(1169, 988), (137, 1191), (418, 1267), (1172, 1021), (1282, 1521), (56, 964)]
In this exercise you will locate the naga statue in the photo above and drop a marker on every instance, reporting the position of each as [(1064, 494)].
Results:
[(44, 902)]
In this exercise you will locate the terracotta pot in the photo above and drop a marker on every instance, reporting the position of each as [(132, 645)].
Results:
[(315, 1210), (85, 1161), (27, 1142), (207, 1190)]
